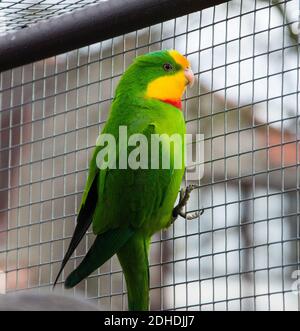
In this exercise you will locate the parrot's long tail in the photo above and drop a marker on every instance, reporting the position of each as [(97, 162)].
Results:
[(103, 248), (134, 261)]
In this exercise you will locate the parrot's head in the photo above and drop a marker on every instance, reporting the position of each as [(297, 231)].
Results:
[(162, 75)]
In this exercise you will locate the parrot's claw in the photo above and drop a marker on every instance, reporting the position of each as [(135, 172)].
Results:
[(191, 215), (183, 199)]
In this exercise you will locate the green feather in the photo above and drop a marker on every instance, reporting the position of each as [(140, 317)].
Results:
[(134, 261), (103, 248)]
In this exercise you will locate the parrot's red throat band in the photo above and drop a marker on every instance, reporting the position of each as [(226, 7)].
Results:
[(175, 103)]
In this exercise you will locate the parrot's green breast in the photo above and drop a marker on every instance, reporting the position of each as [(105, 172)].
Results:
[(143, 198)]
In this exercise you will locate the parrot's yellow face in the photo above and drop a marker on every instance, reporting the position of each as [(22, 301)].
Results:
[(171, 86), (161, 75)]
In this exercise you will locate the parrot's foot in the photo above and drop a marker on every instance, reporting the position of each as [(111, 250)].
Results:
[(183, 199)]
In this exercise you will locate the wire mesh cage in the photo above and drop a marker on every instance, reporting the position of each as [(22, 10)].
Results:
[(243, 253), (21, 13)]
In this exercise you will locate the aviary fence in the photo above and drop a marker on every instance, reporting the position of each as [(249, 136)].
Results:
[(60, 63)]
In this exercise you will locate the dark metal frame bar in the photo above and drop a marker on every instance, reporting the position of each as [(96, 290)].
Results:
[(89, 25)]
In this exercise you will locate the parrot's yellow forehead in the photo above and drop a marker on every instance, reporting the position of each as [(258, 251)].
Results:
[(180, 59)]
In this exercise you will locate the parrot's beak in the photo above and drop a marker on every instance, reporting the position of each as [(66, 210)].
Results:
[(189, 75)]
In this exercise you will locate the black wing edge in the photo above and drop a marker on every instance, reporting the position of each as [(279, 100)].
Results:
[(84, 221)]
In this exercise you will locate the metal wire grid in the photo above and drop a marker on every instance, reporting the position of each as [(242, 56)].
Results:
[(17, 14), (243, 251)]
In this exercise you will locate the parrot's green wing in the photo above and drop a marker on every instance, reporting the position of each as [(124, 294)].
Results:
[(120, 210), (131, 196)]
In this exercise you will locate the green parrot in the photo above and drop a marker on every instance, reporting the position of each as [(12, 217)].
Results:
[(127, 206)]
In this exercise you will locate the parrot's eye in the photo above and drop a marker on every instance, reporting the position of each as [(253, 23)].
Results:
[(168, 67)]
